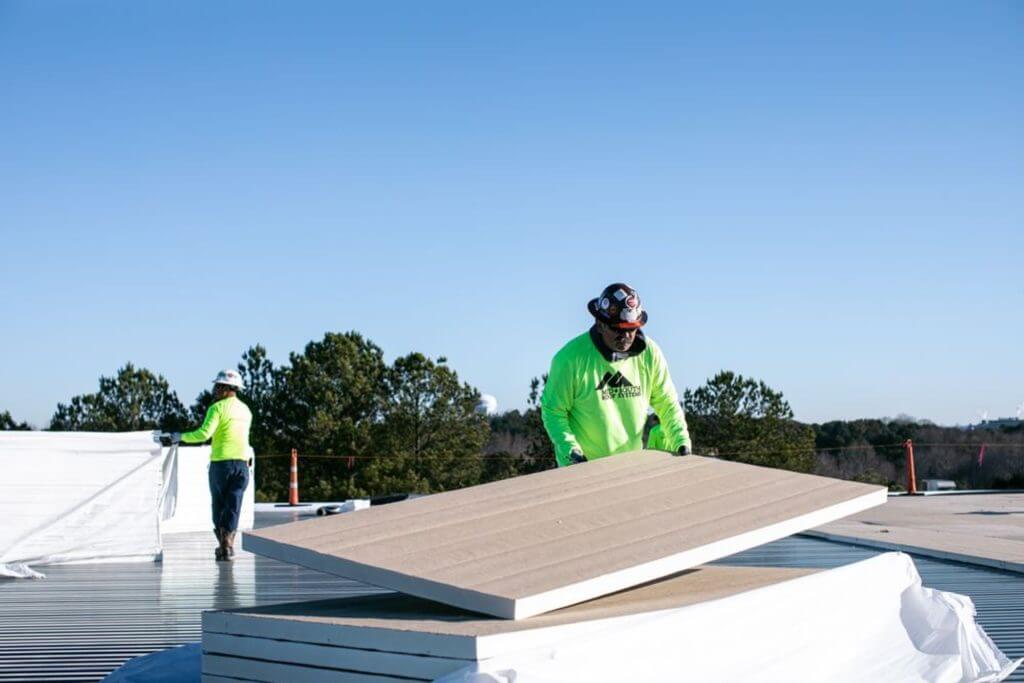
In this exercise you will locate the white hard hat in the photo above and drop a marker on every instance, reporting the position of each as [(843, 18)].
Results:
[(229, 377)]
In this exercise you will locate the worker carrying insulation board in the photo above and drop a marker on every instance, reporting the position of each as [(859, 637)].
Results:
[(227, 423), (603, 382)]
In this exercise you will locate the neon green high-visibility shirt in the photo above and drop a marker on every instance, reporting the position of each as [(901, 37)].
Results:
[(596, 401), (227, 422), (656, 439)]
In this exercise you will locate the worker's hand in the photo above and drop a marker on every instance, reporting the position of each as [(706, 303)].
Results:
[(683, 450), (576, 457), (175, 438)]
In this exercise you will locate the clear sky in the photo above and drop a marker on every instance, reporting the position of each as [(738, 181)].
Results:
[(826, 196)]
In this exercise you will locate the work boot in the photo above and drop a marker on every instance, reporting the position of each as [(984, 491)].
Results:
[(219, 554), (229, 544)]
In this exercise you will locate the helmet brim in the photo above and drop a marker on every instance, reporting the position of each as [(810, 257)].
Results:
[(593, 309)]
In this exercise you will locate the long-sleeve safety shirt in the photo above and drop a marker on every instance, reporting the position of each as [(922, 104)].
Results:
[(227, 422), (595, 401), (656, 439)]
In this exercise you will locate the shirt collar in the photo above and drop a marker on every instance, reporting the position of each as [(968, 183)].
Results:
[(638, 347)]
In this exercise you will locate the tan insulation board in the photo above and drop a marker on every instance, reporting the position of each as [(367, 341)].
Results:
[(977, 528), (528, 545), (396, 623)]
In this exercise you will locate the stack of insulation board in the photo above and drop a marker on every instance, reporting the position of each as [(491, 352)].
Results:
[(394, 637), (515, 549)]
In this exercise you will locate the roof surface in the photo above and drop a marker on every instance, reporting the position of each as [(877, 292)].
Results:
[(979, 528), (83, 621)]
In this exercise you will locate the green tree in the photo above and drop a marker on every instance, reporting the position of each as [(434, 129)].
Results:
[(885, 436), (7, 424), (325, 402), (506, 447), (519, 443), (540, 453), (330, 394), (429, 429), (739, 418), (134, 399)]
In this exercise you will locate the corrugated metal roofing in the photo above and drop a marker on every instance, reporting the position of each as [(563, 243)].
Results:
[(83, 621)]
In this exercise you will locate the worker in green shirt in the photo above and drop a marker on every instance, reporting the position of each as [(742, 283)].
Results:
[(227, 423), (602, 383)]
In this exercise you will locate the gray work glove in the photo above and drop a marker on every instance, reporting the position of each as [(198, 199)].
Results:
[(683, 450), (175, 438), (576, 457)]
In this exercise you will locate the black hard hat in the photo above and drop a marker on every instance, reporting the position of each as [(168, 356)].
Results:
[(619, 306)]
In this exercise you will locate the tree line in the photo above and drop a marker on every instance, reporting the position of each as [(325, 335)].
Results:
[(365, 427), (872, 450), (373, 427)]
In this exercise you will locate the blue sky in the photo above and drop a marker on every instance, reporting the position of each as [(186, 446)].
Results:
[(826, 197)]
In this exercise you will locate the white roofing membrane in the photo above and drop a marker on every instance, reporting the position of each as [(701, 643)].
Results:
[(871, 620), (97, 497)]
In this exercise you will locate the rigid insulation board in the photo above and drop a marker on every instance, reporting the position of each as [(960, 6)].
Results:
[(401, 635), (274, 672), (528, 545)]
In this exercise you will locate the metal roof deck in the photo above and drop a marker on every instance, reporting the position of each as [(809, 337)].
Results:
[(83, 621)]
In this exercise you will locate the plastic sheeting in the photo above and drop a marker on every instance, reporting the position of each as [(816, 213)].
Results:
[(189, 493), (78, 496), (868, 621), (182, 664), (94, 497)]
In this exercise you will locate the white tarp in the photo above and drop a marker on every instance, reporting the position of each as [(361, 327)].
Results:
[(868, 621), (94, 497), (78, 497), (191, 488)]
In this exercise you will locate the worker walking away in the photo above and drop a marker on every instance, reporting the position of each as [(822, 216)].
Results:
[(227, 423), (602, 383)]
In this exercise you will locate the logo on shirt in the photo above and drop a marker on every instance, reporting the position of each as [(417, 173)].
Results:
[(616, 386)]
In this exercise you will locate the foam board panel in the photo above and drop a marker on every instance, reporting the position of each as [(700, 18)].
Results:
[(408, 625), (273, 672), (325, 656), (528, 545)]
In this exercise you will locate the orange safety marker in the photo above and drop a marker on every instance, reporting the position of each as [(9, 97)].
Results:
[(908, 446), (293, 483)]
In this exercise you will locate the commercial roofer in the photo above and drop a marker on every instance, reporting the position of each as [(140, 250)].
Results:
[(602, 382), (227, 422)]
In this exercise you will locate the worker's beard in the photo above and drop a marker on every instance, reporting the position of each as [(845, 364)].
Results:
[(615, 340), (622, 343), (619, 342)]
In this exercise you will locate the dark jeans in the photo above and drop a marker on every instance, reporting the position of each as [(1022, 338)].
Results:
[(228, 481)]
